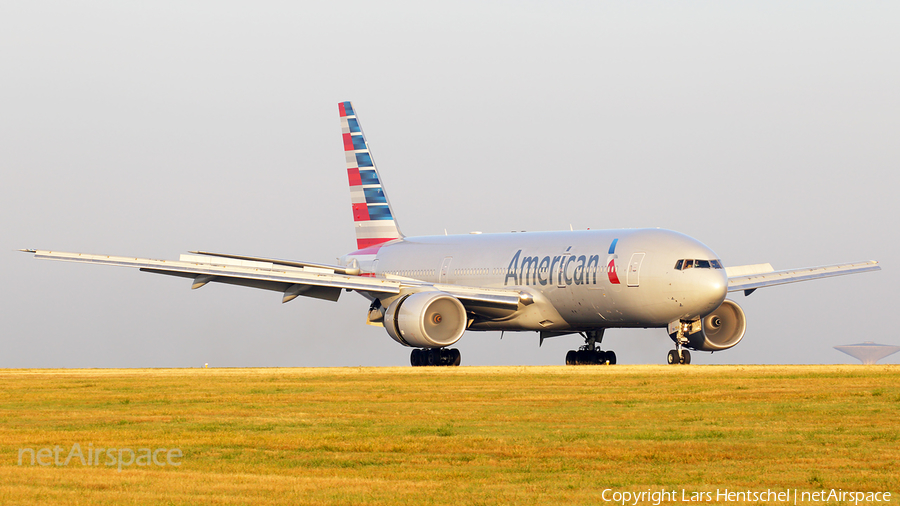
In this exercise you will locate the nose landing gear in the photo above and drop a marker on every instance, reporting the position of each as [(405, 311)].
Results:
[(674, 358), (679, 355)]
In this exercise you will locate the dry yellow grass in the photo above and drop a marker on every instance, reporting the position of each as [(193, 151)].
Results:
[(466, 435)]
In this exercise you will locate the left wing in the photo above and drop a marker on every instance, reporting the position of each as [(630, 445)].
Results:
[(766, 277), (308, 279)]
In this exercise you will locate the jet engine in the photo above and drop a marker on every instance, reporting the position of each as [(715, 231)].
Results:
[(721, 329), (426, 320)]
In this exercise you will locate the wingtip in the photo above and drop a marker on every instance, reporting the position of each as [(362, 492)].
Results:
[(28, 250)]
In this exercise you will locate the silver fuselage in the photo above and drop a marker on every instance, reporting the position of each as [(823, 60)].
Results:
[(580, 280)]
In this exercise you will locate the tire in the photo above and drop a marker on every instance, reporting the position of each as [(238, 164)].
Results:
[(685, 357), (434, 357), (581, 358), (611, 357), (570, 358), (455, 357), (673, 357)]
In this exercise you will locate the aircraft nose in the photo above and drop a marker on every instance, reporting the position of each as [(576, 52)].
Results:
[(716, 286)]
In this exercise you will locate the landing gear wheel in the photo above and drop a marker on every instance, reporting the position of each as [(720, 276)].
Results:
[(590, 353), (435, 357), (590, 357), (673, 358), (579, 357)]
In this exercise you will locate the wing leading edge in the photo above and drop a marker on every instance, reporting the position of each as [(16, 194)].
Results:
[(749, 283), (291, 278)]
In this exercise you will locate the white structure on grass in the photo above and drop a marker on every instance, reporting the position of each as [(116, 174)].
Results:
[(868, 352)]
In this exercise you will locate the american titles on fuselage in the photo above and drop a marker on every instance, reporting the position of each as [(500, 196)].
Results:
[(561, 269), (566, 268), (569, 269)]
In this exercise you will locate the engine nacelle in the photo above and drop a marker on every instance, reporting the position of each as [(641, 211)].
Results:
[(426, 320), (721, 329)]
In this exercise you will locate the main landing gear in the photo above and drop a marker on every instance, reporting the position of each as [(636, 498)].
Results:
[(589, 354), (435, 356)]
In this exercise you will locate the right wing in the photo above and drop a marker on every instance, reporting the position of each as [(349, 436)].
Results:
[(293, 279), (750, 277)]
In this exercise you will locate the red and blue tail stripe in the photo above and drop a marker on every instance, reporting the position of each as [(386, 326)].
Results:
[(374, 222)]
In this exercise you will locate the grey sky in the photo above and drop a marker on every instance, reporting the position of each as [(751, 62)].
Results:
[(766, 130)]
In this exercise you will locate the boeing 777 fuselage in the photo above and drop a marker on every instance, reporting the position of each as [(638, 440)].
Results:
[(427, 291), (588, 279)]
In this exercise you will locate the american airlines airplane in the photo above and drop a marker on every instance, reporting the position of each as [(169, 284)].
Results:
[(427, 291)]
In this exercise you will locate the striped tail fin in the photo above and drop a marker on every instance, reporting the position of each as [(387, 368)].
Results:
[(372, 216)]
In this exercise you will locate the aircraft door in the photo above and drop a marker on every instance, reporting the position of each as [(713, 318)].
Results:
[(561, 275), (634, 269), (444, 273), (562, 278)]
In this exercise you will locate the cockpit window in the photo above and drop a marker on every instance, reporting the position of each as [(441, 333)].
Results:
[(697, 264)]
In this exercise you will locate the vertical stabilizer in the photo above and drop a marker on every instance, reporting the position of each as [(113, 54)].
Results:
[(372, 216)]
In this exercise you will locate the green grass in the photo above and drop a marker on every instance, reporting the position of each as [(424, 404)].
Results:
[(467, 435)]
